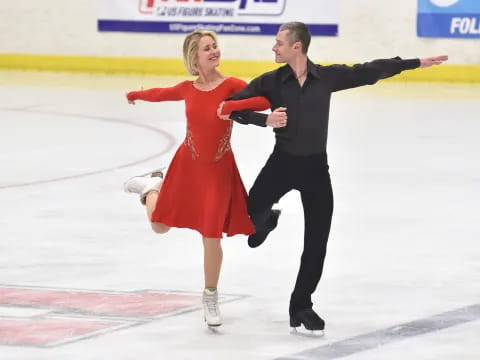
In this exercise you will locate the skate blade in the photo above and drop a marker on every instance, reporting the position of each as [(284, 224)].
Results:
[(214, 329), (159, 172), (302, 331)]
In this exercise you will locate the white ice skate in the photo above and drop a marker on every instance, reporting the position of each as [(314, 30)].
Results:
[(211, 309), (143, 184)]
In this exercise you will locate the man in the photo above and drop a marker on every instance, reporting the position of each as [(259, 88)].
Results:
[(302, 90)]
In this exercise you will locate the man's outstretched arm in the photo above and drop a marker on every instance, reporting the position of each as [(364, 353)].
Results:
[(346, 77)]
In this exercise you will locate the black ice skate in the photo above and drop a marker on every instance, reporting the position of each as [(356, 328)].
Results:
[(313, 325), (259, 237)]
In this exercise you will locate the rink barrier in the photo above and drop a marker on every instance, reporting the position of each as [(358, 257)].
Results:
[(175, 67)]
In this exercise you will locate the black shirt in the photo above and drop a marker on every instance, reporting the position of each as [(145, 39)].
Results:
[(308, 106)]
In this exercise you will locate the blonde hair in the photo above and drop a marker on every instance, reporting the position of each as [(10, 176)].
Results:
[(190, 49)]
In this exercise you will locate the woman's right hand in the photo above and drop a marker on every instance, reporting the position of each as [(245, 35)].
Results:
[(129, 101)]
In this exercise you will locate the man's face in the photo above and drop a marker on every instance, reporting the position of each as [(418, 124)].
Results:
[(283, 50)]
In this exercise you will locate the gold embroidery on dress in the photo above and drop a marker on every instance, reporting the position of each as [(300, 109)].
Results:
[(189, 142), (224, 145)]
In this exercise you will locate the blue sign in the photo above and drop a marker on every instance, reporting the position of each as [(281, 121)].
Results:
[(448, 18)]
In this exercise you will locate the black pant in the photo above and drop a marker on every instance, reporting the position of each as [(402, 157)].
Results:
[(309, 175)]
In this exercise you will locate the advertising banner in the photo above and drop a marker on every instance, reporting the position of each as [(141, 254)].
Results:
[(247, 17), (449, 18)]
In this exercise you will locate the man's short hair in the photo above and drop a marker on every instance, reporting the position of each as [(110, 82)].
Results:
[(298, 31)]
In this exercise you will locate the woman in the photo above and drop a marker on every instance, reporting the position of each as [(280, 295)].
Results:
[(202, 189)]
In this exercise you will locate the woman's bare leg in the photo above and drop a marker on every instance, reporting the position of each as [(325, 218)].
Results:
[(212, 261), (212, 264), (151, 202)]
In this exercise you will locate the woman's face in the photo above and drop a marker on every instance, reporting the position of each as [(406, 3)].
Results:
[(208, 55)]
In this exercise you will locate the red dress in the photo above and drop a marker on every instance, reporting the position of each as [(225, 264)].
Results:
[(202, 189)]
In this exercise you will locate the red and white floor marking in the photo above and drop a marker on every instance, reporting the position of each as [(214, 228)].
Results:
[(45, 317)]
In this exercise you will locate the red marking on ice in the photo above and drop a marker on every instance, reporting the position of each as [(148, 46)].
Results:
[(137, 304), (44, 331)]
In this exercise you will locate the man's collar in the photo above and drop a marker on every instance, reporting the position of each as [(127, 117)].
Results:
[(311, 68)]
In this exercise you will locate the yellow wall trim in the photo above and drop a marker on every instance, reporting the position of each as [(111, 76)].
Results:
[(173, 67)]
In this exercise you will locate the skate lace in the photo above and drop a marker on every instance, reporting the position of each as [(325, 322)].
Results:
[(212, 304)]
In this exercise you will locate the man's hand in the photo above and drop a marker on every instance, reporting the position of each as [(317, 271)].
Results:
[(278, 118), (219, 112), (436, 60)]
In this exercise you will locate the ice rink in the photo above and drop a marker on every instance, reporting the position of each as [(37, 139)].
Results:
[(83, 277)]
